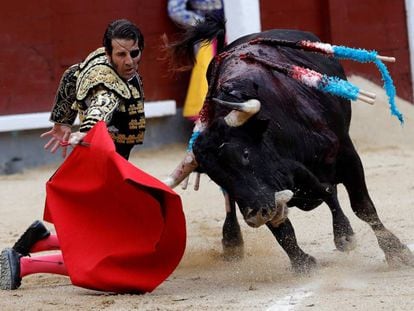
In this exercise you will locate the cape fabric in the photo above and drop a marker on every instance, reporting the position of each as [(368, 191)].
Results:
[(120, 229)]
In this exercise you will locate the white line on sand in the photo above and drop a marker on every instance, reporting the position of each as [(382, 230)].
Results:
[(298, 295), (289, 302)]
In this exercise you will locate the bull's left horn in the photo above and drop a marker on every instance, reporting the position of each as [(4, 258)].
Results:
[(185, 168), (282, 197), (241, 111)]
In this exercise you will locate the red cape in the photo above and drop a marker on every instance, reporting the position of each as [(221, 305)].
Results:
[(120, 229)]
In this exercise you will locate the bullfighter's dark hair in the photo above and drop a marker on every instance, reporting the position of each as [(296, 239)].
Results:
[(122, 29)]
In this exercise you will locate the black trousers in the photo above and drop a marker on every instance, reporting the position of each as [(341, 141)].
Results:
[(124, 149)]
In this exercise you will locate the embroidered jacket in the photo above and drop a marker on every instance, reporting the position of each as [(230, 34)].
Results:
[(96, 92)]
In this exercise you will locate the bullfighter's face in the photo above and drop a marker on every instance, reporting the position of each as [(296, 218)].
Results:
[(125, 57)]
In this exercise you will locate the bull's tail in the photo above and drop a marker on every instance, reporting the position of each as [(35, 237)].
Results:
[(182, 51)]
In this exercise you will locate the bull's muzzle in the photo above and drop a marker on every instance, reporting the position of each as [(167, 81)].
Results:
[(255, 218), (275, 216)]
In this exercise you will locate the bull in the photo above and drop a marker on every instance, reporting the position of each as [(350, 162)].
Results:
[(273, 142)]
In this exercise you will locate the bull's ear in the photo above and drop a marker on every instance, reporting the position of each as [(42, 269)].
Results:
[(258, 128)]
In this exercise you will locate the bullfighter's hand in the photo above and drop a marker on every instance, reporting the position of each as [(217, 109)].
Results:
[(60, 134), (76, 138)]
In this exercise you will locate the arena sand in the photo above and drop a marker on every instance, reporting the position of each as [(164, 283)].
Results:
[(359, 280)]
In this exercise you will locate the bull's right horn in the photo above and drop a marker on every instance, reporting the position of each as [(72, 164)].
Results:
[(185, 168), (241, 111)]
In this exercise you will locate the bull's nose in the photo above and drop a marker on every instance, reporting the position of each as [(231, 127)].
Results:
[(265, 213), (250, 213), (252, 222)]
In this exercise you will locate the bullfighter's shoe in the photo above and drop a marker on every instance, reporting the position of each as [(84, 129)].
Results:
[(10, 269), (36, 232)]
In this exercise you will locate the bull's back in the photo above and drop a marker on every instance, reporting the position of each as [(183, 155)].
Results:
[(337, 109), (320, 62), (280, 34)]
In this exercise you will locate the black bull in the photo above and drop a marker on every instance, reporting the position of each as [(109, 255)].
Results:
[(291, 149)]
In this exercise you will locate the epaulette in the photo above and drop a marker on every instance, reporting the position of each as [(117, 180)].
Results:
[(95, 54), (98, 71)]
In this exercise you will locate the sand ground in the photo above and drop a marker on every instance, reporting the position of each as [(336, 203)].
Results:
[(359, 280)]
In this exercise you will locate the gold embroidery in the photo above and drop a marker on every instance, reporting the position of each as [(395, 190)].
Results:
[(141, 124), (121, 107), (100, 74), (134, 91), (119, 138), (99, 93), (141, 107), (130, 139), (62, 111), (133, 124), (101, 106), (136, 108), (98, 52)]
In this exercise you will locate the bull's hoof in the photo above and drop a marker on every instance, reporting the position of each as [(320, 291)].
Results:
[(400, 258), (345, 243), (233, 253), (233, 249), (233, 244), (396, 253), (304, 265), (344, 237)]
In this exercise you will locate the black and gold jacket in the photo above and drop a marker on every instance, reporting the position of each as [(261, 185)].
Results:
[(96, 92)]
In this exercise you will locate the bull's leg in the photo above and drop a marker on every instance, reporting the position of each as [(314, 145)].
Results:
[(285, 235), (343, 233), (344, 238), (233, 246), (396, 253)]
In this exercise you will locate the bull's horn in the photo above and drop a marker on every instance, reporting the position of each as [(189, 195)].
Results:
[(186, 166), (241, 111), (282, 197)]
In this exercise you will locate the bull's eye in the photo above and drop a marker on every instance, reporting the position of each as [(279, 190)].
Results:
[(245, 157)]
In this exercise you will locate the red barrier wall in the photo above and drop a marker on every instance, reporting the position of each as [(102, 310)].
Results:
[(39, 39), (371, 24)]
